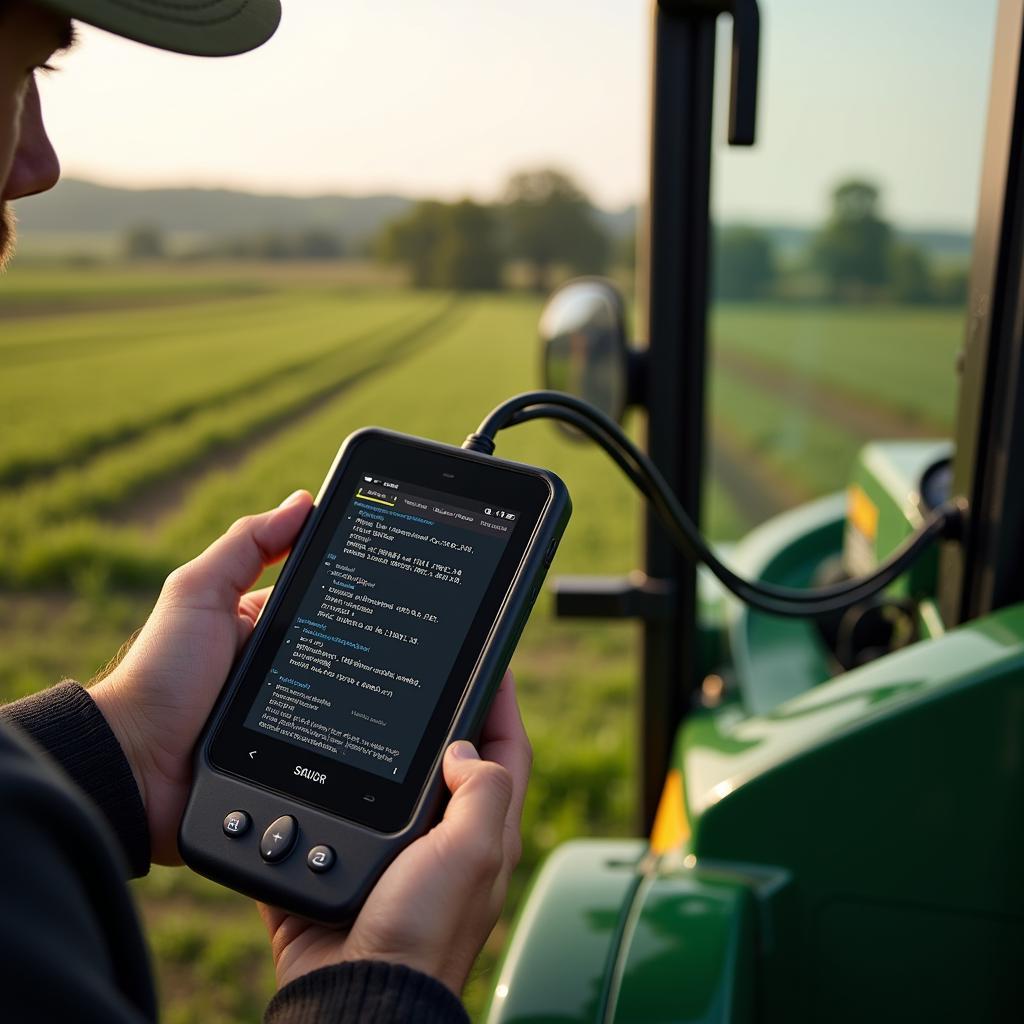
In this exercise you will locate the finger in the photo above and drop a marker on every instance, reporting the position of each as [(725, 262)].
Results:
[(503, 720), (504, 741), (473, 827), (252, 603), (273, 917), (285, 929), (249, 609), (232, 563)]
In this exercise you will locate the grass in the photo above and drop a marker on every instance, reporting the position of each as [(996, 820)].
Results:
[(137, 430), (809, 456), (48, 288), (571, 677), (116, 474), (75, 385), (844, 349)]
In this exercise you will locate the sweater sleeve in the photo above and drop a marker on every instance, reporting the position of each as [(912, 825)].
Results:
[(65, 721), (365, 992), (72, 949)]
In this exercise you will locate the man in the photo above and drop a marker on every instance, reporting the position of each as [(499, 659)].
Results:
[(112, 783)]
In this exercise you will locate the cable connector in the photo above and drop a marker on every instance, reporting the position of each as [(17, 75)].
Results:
[(479, 443)]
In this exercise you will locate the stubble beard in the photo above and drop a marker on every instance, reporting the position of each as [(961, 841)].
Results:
[(7, 235)]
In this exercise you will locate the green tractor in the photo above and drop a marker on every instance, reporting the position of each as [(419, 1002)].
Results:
[(833, 806)]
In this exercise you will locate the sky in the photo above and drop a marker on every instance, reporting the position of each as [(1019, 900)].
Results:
[(448, 98)]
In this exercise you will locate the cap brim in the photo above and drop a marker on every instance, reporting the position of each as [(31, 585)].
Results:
[(202, 28)]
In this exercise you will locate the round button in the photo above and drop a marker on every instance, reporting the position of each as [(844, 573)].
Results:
[(278, 840), (320, 858), (236, 824)]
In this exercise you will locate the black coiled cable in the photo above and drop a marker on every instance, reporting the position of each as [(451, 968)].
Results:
[(812, 602)]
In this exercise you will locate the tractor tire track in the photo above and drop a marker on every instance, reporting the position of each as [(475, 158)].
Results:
[(29, 470), (858, 415), (154, 504), (756, 491), (37, 352)]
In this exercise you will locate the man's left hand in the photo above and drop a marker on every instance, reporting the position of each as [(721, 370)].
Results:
[(158, 697)]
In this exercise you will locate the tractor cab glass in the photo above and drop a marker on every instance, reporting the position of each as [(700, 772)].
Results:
[(840, 247)]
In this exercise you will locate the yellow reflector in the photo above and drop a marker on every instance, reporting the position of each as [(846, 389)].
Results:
[(671, 829), (862, 512)]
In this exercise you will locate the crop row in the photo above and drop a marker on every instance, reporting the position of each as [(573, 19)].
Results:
[(441, 394), (898, 358), (120, 374), (49, 290), (119, 475)]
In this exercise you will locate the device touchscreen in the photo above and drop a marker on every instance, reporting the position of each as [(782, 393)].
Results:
[(374, 639), (369, 651)]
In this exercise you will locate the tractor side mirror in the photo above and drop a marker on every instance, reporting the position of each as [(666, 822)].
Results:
[(585, 349)]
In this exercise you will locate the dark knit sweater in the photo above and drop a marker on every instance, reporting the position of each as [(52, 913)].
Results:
[(74, 829)]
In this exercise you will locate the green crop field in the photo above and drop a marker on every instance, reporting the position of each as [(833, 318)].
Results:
[(143, 411)]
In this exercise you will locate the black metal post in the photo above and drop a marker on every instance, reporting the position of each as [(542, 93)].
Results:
[(986, 571), (667, 377), (678, 253)]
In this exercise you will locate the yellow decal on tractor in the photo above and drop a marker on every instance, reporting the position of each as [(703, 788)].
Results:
[(862, 512), (671, 827)]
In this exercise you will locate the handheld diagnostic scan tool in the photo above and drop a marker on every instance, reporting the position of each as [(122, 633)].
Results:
[(384, 640)]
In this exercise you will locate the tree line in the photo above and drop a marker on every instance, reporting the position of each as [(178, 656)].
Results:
[(546, 226), (855, 256), (544, 220)]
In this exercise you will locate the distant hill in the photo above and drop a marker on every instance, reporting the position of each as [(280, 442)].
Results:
[(83, 209)]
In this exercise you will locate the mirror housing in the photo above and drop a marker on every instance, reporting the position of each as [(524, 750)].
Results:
[(585, 348)]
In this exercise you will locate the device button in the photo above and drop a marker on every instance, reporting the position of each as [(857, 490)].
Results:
[(278, 840), (320, 859), (549, 555), (237, 824)]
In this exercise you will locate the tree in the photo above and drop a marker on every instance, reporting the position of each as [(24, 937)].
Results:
[(144, 242), (313, 243), (318, 244), (446, 246), (549, 220), (853, 249), (414, 240), (910, 275), (744, 264), (467, 256)]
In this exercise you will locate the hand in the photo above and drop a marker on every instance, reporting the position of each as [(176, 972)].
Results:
[(438, 901), (158, 697)]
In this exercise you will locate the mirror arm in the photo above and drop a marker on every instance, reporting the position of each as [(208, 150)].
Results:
[(635, 596), (636, 375)]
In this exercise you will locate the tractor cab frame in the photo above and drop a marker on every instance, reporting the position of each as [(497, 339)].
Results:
[(825, 842)]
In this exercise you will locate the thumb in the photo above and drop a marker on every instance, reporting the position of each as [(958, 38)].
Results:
[(232, 563), (474, 820)]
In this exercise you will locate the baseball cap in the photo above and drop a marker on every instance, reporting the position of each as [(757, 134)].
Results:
[(202, 28)]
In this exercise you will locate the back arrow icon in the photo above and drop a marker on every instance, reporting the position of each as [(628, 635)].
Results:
[(252, 753)]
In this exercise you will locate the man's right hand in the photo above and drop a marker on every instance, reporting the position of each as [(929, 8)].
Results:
[(434, 907)]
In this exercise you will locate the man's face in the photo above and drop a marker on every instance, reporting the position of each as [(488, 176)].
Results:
[(29, 37)]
